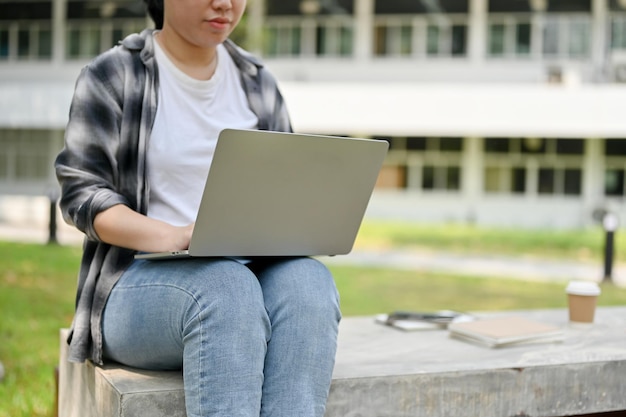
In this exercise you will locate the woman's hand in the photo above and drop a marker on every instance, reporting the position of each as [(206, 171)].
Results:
[(124, 227), (182, 236)]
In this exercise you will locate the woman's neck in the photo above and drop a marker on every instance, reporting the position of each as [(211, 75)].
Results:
[(199, 63)]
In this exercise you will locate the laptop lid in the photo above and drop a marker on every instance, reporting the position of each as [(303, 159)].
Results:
[(285, 194)]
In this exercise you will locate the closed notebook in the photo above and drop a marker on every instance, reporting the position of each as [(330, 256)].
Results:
[(506, 331)]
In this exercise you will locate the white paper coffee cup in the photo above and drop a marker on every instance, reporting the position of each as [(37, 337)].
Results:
[(582, 299)]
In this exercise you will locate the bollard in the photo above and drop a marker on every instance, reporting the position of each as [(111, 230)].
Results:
[(610, 223), (52, 224)]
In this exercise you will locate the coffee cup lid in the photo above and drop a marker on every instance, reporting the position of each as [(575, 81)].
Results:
[(583, 288)]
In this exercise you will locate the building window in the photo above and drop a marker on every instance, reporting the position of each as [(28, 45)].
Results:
[(616, 6), (567, 36), (391, 177), (572, 181), (24, 155), (509, 36), (308, 7), (569, 6), (331, 36), (25, 11), (30, 41), (579, 35), (428, 177), (546, 181), (570, 146), (504, 179), (421, 7), (497, 36), (393, 40), (519, 180), (334, 39), (416, 144), (4, 43), (434, 40), (44, 43), (618, 24), (93, 27), (309, 28), (86, 39), (23, 43), (429, 164), (614, 151), (556, 164), (420, 35), (441, 177), (559, 181), (508, 6), (618, 32), (522, 38), (614, 182), (551, 5), (283, 40), (83, 41), (25, 30), (459, 40), (562, 35), (497, 145), (615, 147), (450, 144)]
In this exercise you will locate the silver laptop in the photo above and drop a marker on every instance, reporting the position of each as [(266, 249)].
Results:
[(283, 194)]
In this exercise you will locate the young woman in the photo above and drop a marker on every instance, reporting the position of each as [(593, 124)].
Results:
[(252, 339)]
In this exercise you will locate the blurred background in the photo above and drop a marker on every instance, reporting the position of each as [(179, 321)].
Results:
[(504, 179), (499, 112)]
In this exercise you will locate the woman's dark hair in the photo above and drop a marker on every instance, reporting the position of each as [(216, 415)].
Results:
[(155, 10)]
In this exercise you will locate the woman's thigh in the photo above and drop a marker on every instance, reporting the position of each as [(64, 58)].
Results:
[(298, 284), (156, 306), (303, 306)]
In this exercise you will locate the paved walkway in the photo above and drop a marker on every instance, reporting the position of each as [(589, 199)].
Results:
[(471, 265), (481, 265)]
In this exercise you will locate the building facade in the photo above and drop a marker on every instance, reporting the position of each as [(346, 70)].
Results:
[(498, 112)]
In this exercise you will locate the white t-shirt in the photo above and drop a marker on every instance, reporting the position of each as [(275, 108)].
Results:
[(190, 115)]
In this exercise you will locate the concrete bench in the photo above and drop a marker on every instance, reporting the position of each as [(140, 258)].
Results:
[(382, 371)]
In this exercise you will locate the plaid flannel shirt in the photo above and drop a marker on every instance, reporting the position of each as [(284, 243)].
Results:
[(103, 162)]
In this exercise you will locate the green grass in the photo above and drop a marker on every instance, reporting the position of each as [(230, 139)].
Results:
[(36, 299), (585, 245), (37, 284), (366, 291)]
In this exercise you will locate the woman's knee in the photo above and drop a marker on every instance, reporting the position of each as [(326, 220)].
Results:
[(302, 287)]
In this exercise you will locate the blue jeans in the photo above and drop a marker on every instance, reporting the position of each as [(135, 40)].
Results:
[(253, 340)]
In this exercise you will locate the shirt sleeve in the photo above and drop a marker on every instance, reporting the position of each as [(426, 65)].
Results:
[(87, 167)]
